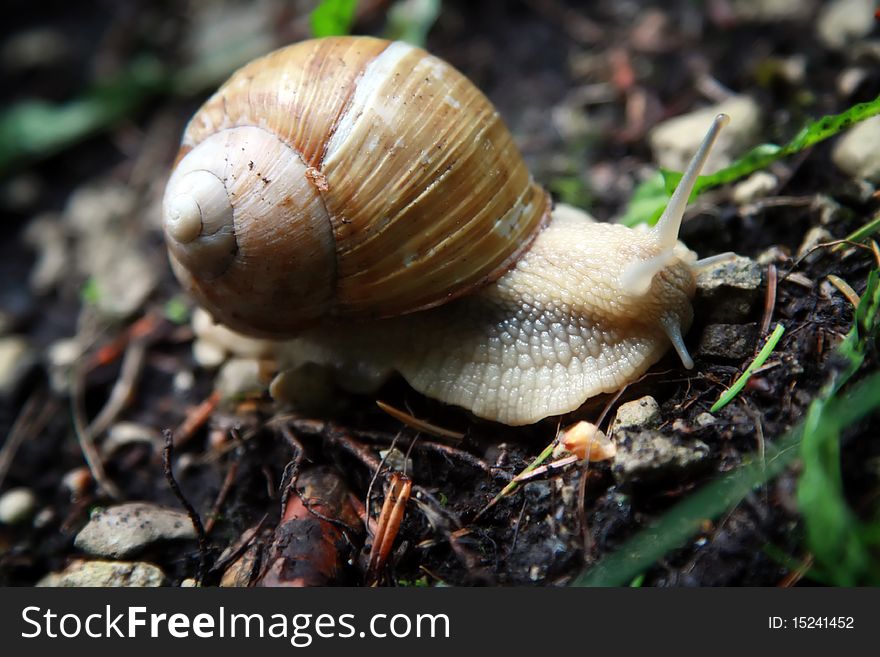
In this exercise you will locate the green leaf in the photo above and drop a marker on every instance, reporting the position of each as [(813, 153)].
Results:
[(650, 198), (31, 130), (333, 17), (89, 293), (176, 310)]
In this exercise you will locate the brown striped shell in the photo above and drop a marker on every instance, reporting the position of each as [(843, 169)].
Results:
[(345, 177)]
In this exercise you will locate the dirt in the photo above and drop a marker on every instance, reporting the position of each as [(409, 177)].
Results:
[(537, 61)]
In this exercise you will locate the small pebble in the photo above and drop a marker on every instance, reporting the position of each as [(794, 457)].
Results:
[(843, 22), (16, 506), (857, 153), (641, 413), (126, 529), (728, 291), (674, 141), (122, 434), (756, 186), (650, 457), (77, 482), (207, 354), (92, 574), (238, 377), (704, 420)]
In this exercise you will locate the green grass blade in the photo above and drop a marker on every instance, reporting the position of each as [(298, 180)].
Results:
[(842, 546), (684, 520), (333, 18), (760, 359)]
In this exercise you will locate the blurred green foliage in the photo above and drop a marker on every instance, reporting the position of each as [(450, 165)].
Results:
[(333, 17)]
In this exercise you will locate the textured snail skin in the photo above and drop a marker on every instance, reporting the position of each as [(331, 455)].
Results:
[(552, 332), (364, 199)]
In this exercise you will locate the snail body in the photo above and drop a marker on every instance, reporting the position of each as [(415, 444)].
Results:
[(364, 197)]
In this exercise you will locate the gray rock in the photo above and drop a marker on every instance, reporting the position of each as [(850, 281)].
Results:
[(106, 573), (121, 531), (704, 420), (728, 291), (676, 140), (641, 413), (858, 151), (16, 506), (843, 22), (734, 341), (645, 457)]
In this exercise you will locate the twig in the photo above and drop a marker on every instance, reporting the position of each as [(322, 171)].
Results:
[(373, 481), (86, 438), (419, 425), (190, 509), (390, 519), (449, 451), (522, 512), (586, 534), (120, 395), (291, 470), (797, 574), (33, 417), (769, 299), (845, 289), (195, 419), (228, 480)]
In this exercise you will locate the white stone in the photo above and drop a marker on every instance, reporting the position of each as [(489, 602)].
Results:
[(756, 186), (843, 22), (239, 376), (123, 530), (638, 414), (676, 140), (858, 151), (105, 573), (16, 505)]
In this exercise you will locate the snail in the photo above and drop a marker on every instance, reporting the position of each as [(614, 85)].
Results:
[(364, 199)]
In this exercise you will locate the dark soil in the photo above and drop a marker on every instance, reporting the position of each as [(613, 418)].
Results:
[(530, 58)]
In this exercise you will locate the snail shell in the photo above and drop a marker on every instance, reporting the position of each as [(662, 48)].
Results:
[(345, 177), (354, 178)]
